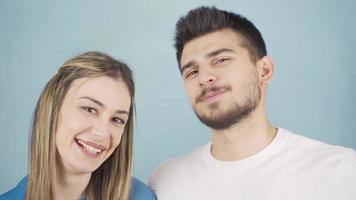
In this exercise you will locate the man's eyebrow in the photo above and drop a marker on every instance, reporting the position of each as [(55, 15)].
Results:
[(211, 54), (186, 66), (219, 51), (103, 106)]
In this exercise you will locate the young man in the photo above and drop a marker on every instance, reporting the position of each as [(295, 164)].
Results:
[(223, 61)]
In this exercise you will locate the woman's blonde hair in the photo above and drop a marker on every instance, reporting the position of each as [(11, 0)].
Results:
[(112, 180)]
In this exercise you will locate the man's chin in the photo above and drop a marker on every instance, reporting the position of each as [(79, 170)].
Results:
[(209, 110), (219, 120), (213, 120)]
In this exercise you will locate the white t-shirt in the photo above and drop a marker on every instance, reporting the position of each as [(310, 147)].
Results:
[(291, 167)]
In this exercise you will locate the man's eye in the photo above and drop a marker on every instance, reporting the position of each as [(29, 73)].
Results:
[(118, 120), (89, 109), (220, 61), (191, 73)]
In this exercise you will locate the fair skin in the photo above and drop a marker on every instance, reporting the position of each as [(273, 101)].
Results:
[(219, 60), (91, 122)]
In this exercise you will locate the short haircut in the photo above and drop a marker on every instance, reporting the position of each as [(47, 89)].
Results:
[(203, 20)]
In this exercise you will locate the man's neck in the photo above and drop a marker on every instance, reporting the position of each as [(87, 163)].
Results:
[(70, 186), (244, 139)]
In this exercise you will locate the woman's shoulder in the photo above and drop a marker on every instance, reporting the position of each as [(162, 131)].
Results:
[(16, 193), (140, 191)]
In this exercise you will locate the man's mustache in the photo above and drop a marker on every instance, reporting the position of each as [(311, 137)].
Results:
[(206, 90)]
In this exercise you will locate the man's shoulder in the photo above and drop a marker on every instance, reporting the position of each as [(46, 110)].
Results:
[(297, 141), (338, 158), (178, 166), (16, 193)]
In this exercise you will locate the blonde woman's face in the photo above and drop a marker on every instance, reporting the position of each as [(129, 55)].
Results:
[(91, 122)]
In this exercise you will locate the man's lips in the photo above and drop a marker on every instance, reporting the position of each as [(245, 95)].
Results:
[(209, 94)]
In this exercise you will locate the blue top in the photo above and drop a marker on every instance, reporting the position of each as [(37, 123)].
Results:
[(139, 191)]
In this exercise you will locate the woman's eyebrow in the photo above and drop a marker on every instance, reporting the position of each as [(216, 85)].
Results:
[(103, 106)]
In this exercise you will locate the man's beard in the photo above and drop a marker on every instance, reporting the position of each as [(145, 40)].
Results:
[(235, 114)]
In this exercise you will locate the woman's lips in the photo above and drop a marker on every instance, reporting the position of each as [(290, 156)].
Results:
[(90, 149)]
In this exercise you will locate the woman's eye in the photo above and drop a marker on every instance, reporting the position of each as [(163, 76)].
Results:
[(89, 109), (118, 120)]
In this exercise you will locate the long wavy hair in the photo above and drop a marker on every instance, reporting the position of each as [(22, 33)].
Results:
[(112, 180)]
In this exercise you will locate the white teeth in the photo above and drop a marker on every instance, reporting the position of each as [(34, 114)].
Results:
[(89, 148)]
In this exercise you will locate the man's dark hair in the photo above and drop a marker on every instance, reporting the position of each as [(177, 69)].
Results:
[(204, 20)]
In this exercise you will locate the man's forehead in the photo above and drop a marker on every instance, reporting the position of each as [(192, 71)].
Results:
[(203, 45)]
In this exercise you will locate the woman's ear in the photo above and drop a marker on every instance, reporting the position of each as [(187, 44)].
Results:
[(265, 69)]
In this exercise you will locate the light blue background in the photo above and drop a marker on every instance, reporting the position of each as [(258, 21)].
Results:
[(312, 42)]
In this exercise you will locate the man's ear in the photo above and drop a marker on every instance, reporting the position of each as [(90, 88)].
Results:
[(265, 69)]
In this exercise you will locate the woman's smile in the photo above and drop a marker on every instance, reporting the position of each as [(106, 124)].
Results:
[(90, 149)]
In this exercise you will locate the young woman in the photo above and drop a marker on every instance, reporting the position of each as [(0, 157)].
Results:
[(82, 132)]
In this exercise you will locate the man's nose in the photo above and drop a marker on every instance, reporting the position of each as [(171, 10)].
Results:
[(206, 77)]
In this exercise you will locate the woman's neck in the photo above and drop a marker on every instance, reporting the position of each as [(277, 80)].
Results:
[(70, 185)]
